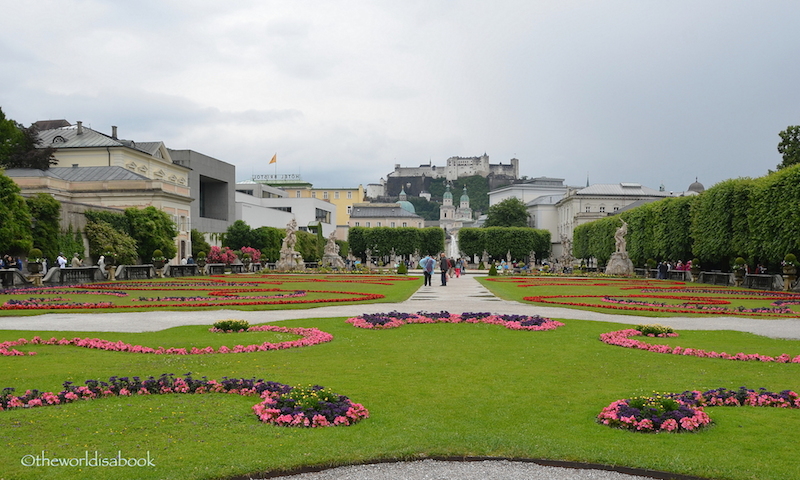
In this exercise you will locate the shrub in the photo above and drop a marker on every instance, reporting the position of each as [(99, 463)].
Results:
[(493, 271), (232, 325), (402, 269), (35, 255)]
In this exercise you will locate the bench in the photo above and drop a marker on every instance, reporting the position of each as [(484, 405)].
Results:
[(215, 268), (759, 282), (135, 272), (716, 278), (181, 270), (237, 268), (74, 275), (12, 276), (680, 275)]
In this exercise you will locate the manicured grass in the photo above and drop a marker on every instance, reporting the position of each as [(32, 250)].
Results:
[(319, 291), (586, 294), (441, 389)]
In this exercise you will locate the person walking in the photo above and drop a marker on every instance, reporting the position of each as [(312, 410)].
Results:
[(428, 264), (444, 265)]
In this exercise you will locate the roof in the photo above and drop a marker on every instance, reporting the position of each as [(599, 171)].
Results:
[(620, 190), (68, 137), (546, 200), (382, 211), (78, 174)]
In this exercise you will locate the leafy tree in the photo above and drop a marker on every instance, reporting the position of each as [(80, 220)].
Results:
[(307, 246), (70, 242), (153, 230), (268, 240), (511, 212), (45, 214), (199, 243), (238, 235), (104, 238), (117, 220), (19, 146), (789, 147), (15, 227)]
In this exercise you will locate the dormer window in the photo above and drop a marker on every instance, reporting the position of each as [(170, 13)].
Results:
[(59, 139)]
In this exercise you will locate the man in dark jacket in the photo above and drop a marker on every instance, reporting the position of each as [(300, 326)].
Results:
[(444, 264)]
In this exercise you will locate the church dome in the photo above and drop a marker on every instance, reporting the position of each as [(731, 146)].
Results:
[(407, 206), (447, 193), (696, 187), (464, 196)]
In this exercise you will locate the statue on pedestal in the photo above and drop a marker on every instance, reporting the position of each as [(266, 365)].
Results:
[(290, 259), (620, 264), (331, 256)]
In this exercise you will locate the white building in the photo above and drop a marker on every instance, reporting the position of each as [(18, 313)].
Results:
[(260, 205)]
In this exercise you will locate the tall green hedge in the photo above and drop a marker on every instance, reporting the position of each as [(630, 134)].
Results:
[(757, 219), (499, 241), (404, 240)]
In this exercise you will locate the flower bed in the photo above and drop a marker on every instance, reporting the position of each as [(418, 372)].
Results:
[(310, 336), (397, 319), (684, 412), (622, 338), (282, 405)]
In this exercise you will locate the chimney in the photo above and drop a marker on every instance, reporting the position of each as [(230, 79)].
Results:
[(114, 132), (80, 128)]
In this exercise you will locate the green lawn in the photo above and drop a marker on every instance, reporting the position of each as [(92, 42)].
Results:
[(442, 389), (588, 292), (223, 292)]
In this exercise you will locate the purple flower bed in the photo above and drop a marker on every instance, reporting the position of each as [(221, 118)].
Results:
[(675, 412), (281, 404), (396, 319)]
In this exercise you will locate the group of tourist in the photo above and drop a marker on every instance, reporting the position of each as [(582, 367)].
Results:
[(448, 268), (11, 262)]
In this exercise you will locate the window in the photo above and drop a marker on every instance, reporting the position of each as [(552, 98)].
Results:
[(358, 224), (349, 195), (297, 194), (324, 195), (602, 209), (378, 224), (392, 224), (405, 224), (368, 224), (588, 209), (313, 194), (349, 209), (336, 195), (616, 209)]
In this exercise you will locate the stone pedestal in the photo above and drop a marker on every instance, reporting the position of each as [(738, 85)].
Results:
[(333, 261), (289, 260), (619, 264)]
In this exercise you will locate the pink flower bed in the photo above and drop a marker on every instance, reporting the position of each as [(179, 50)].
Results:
[(621, 338), (310, 336)]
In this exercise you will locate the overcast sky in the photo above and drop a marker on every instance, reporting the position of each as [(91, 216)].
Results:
[(652, 92)]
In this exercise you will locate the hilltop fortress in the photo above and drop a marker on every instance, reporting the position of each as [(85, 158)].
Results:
[(417, 179)]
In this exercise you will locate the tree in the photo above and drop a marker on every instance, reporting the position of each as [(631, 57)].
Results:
[(104, 239), (511, 212), (199, 243), (238, 235), (153, 230), (45, 214), (19, 146), (789, 146), (15, 228)]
